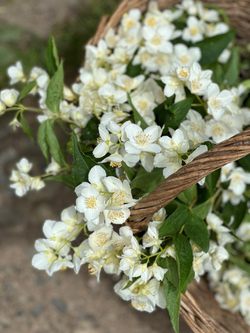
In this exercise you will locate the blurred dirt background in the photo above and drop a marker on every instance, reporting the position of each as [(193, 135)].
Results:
[(31, 301)]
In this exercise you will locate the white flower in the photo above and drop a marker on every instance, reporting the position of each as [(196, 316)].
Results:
[(36, 183), (2, 107), (103, 146), (90, 202), (199, 80), (128, 83), (175, 145), (217, 29), (185, 55), (243, 232), (142, 141), (9, 97), (173, 86), (194, 30), (46, 256), (238, 180), (158, 40), (233, 275), (130, 19), (217, 100), (219, 131), (224, 56), (226, 170), (24, 165), (245, 302), (53, 167), (111, 95), (101, 238), (60, 263), (121, 195), (16, 73), (228, 195), (111, 38), (215, 223), (209, 15), (151, 239), (190, 6), (21, 181), (218, 254), (199, 264)]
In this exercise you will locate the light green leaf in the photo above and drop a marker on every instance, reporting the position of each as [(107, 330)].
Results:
[(136, 114), (67, 180), (26, 127), (55, 90), (147, 181), (196, 229), (26, 89), (54, 146), (173, 302), (189, 195), (175, 221), (212, 47), (184, 258), (52, 59), (202, 210)]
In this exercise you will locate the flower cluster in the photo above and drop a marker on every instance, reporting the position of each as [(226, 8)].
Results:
[(148, 101), (23, 182)]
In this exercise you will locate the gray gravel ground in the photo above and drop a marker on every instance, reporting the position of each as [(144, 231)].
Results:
[(31, 301)]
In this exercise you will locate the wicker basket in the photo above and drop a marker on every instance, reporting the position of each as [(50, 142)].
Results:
[(198, 306)]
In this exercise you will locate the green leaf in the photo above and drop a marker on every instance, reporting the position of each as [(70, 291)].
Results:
[(184, 258), (196, 229), (175, 221), (81, 164), (202, 210), (232, 68), (130, 172), (189, 195), (54, 146), (172, 273), (173, 115), (245, 162), (52, 60), (67, 180), (136, 114), (55, 90), (173, 302), (41, 138), (26, 127), (26, 89), (238, 212), (212, 47), (211, 181), (218, 72), (132, 70), (147, 181), (189, 280), (90, 132)]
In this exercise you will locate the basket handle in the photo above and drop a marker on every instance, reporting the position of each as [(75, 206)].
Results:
[(223, 153)]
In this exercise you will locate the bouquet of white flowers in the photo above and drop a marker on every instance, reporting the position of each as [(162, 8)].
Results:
[(162, 89)]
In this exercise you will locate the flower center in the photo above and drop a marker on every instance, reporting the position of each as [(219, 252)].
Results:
[(91, 202), (115, 215), (142, 139), (119, 197), (156, 40), (185, 60), (143, 105), (196, 85), (216, 103), (151, 21), (193, 31), (102, 239), (92, 270)]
